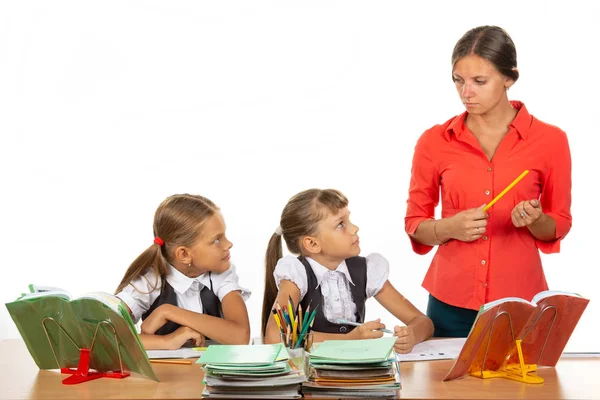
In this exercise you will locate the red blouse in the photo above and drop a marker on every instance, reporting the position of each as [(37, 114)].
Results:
[(505, 262)]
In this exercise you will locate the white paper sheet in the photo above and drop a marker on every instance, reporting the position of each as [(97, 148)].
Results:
[(184, 352), (436, 349)]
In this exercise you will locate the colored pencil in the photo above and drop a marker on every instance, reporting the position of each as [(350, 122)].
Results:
[(163, 361), (513, 183)]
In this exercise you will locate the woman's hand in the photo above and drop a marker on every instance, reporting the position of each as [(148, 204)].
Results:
[(406, 339), (368, 330), (468, 225), (526, 213)]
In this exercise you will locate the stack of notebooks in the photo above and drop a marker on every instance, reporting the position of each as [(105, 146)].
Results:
[(250, 372), (353, 368)]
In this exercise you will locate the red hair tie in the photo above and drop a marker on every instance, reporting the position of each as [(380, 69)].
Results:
[(159, 241)]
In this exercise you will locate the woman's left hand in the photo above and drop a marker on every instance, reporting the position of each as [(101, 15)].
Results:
[(155, 320), (406, 339), (526, 213)]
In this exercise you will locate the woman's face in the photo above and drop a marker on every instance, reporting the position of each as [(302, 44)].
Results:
[(479, 84)]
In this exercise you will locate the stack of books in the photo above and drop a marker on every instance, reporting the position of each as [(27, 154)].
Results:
[(353, 369), (250, 372)]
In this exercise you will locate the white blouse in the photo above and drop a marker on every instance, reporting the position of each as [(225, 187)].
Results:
[(335, 285), (139, 297)]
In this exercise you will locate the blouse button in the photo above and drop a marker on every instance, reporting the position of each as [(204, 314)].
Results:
[(487, 192), (484, 237), (482, 262), (343, 329), (489, 169)]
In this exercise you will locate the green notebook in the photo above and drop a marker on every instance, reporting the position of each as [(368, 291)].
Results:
[(224, 354), (79, 319), (353, 351)]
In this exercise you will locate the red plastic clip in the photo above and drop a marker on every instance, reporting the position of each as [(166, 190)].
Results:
[(83, 373)]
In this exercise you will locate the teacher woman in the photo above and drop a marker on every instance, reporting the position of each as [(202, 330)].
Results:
[(485, 256)]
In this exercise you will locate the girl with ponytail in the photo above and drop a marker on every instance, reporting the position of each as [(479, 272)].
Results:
[(183, 287)]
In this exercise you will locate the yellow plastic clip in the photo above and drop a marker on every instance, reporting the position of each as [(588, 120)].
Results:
[(517, 372)]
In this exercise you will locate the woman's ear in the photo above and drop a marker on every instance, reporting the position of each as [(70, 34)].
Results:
[(508, 82)]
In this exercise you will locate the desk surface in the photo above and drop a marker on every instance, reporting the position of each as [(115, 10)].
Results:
[(573, 378)]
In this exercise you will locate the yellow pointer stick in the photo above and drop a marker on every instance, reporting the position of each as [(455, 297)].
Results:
[(513, 183)]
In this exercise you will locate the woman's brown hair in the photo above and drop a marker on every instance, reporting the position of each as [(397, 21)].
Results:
[(178, 221), (300, 218), (491, 43)]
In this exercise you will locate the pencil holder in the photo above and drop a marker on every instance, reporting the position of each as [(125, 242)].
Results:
[(297, 349)]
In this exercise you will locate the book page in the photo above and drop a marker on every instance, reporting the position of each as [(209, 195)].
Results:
[(37, 291), (109, 300), (493, 304), (30, 296), (548, 293)]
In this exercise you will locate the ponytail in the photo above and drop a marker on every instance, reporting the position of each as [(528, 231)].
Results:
[(153, 258), (274, 253), (178, 221), (300, 217)]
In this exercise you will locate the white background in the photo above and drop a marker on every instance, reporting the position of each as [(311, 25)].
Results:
[(106, 108)]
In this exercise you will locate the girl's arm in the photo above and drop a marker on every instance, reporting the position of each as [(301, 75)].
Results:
[(233, 328), (368, 330), (418, 326), (288, 289), (173, 340)]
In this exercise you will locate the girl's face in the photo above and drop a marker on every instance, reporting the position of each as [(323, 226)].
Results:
[(337, 236), (210, 252), (480, 86)]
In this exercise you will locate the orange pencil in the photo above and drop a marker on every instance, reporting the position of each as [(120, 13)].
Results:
[(502, 193), (281, 318), (163, 361)]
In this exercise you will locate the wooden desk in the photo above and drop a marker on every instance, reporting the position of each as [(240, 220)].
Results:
[(573, 378)]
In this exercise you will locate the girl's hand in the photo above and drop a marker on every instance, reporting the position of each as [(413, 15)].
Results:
[(176, 339), (526, 213), (368, 330), (155, 320), (406, 339), (469, 225)]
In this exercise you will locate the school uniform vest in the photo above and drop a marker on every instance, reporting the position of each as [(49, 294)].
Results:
[(211, 305), (357, 267)]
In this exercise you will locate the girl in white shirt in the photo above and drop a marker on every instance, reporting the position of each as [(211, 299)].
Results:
[(316, 225), (183, 286)]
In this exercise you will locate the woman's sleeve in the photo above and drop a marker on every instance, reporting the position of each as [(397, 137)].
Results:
[(423, 193), (556, 193)]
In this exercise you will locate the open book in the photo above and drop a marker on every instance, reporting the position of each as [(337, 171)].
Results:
[(54, 326), (544, 325)]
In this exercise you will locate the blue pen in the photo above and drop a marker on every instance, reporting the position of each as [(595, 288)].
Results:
[(344, 322)]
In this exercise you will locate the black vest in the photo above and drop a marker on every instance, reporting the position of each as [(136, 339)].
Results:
[(211, 304), (357, 266)]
